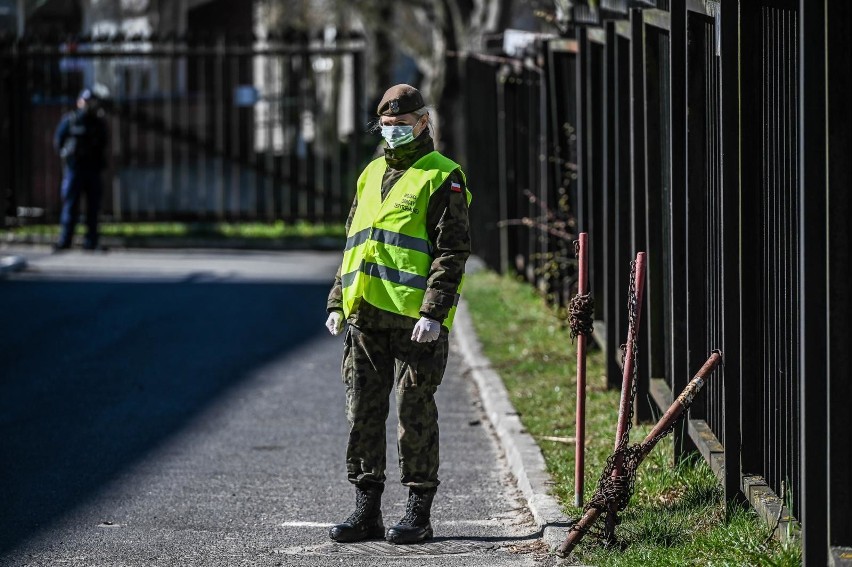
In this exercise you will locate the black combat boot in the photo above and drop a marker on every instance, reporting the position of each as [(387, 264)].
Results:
[(415, 525), (365, 522)]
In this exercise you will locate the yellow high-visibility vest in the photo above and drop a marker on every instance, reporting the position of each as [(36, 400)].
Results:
[(388, 254)]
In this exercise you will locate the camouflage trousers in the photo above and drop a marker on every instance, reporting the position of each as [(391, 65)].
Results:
[(374, 363)]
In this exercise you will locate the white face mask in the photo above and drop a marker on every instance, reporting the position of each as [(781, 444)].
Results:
[(398, 135)]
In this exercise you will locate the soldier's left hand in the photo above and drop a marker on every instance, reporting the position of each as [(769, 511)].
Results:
[(426, 330)]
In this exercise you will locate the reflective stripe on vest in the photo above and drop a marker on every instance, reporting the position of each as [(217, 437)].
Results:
[(388, 255)]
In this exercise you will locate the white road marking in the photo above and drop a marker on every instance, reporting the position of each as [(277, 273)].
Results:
[(488, 522)]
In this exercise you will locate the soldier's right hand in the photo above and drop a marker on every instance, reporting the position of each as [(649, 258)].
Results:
[(334, 323)]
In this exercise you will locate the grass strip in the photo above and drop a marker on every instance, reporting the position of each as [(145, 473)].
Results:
[(677, 515), (247, 230)]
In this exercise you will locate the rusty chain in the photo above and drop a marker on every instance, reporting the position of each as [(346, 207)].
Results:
[(581, 309)]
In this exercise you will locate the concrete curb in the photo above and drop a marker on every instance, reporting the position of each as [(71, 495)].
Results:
[(524, 456), (9, 264)]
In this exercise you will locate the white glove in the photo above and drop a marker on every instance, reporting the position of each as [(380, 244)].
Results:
[(426, 330), (334, 323)]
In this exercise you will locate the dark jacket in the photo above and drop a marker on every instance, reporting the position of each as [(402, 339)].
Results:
[(81, 140), (448, 230)]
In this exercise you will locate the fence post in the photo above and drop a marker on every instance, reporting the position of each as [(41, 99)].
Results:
[(815, 402), (839, 208)]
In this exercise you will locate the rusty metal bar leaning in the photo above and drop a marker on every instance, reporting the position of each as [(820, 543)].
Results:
[(678, 407), (580, 433)]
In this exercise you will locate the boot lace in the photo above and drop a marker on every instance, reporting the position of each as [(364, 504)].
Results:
[(363, 507), (414, 511)]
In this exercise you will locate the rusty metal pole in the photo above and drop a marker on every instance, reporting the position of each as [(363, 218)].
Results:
[(680, 405), (624, 409), (580, 433)]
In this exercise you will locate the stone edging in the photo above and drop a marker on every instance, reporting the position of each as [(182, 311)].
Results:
[(525, 459)]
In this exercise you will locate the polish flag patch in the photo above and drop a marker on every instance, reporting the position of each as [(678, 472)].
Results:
[(455, 187)]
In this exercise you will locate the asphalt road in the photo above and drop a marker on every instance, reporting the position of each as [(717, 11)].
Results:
[(177, 408)]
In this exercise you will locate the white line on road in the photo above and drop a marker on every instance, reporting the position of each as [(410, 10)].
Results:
[(489, 522)]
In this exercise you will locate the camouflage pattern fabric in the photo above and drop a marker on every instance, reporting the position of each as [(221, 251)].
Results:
[(374, 363), (448, 229)]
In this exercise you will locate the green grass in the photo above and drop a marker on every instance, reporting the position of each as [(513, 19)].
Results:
[(250, 230), (677, 515)]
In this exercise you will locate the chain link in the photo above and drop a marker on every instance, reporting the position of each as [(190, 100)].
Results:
[(632, 318), (581, 309), (581, 315)]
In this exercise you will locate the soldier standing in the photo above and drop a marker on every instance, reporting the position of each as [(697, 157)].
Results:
[(398, 286), (81, 139)]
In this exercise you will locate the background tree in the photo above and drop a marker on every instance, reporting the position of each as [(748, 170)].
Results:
[(433, 33)]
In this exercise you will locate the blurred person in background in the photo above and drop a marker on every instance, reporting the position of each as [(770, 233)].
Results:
[(398, 286), (81, 140)]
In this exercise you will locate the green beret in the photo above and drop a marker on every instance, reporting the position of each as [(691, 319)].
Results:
[(400, 99)]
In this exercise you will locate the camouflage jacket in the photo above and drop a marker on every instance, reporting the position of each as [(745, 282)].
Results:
[(448, 229)]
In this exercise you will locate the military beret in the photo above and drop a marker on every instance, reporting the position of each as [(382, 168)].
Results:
[(400, 99)]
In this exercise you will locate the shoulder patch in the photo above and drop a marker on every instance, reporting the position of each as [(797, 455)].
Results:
[(455, 187)]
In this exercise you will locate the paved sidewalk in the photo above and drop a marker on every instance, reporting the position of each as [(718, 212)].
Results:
[(185, 408)]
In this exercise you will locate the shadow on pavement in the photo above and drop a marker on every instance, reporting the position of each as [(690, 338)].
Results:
[(95, 374)]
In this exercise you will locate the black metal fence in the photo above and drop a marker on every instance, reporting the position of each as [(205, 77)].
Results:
[(715, 136), (200, 129)]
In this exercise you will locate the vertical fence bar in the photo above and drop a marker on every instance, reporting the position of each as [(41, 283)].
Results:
[(596, 160), (623, 183), (729, 49), (547, 275), (535, 237), (8, 62), (582, 210), (219, 86), (503, 183), (187, 104), (233, 117), (305, 146), (813, 264), (334, 210), (5, 127), (680, 221), (611, 219), (359, 113), (838, 84), (580, 418), (170, 131), (272, 131), (638, 213), (751, 159)]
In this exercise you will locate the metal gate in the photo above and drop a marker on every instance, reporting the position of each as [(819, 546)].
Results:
[(211, 129)]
